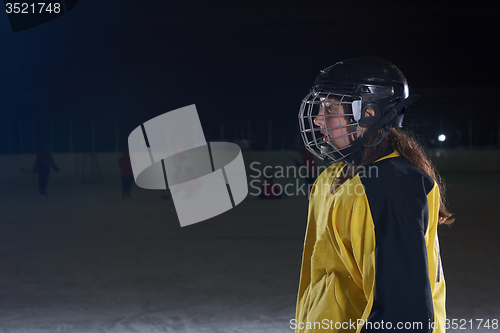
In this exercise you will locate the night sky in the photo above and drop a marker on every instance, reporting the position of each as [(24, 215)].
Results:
[(238, 61)]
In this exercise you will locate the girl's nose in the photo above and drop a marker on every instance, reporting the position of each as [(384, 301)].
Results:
[(318, 120)]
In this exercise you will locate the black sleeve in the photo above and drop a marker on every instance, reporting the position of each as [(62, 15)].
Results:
[(398, 204)]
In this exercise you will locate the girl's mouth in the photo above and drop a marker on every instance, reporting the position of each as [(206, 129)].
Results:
[(326, 137)]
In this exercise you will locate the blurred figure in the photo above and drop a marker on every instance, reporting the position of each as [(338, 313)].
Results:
[(44, 161), (126, 174)]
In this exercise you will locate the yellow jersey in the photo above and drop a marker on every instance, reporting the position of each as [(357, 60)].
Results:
[(371, 257)]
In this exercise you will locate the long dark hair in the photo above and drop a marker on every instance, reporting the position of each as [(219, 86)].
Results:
[(408, 147)]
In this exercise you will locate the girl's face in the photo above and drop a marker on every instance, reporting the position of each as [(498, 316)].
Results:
[(334, 125)]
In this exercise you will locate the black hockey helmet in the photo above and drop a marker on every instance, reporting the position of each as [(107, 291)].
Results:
[(356, 84)]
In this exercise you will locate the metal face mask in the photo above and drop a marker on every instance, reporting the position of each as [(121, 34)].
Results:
[(329, 124)]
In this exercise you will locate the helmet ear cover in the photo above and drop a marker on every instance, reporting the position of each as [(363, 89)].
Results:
[(380, 105), (372, 120)]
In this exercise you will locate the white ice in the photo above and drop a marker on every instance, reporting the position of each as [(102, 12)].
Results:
[(85, 260)]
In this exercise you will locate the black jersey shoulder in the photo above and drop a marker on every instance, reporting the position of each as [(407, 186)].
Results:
[(396, 172), (398, 184)]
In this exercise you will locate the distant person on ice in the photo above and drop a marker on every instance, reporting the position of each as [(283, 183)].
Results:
[(44, 161), (126, 173)]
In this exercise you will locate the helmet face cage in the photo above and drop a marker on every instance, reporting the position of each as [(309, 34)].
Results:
[(329, 124), (332, 116)]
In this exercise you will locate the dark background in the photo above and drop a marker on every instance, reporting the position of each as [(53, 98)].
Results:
[(85, 260), (107, 66)]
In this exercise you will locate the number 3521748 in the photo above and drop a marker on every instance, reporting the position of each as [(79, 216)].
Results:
[(32, 7), (464, 324)]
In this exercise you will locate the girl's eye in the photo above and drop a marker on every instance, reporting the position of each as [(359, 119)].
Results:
[(329, 108)]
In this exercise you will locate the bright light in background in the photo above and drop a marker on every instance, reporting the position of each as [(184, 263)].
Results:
[(441, 137)]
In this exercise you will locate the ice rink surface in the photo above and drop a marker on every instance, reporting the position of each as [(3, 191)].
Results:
[(85, 260)]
